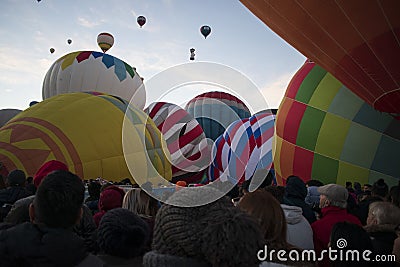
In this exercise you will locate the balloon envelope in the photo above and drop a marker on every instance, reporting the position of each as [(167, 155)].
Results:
[(141, 20), (7, 114), (69, 41), (83, 130), (94, 71), (215, 111), (325, 132), (356, 41), (105, 41), (52, 50), (205, 30)]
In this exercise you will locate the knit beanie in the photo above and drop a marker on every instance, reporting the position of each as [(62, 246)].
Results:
[(46, 168), (111, 198), (122, 233), (16, 177), (295, 187)]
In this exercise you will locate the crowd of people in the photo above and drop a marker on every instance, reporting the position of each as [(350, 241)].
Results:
[(57, 219)]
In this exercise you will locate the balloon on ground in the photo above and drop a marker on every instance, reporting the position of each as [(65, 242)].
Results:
[(325, 132), (83, 130), (215, 111), (356, 41), (94, 71)]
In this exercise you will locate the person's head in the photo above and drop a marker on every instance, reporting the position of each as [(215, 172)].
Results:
[(349, 185), (122, 233), (277, 191), (29, 180), (357, 186), (314, 183), (333, 195), (381, 212), (394, 195), (46, 168), (16, 178), (110, 198), (268, 212), (58, 200), (295, 187), (367, 187), (354, 237), (380, 189), (139, 202), (94, 189)]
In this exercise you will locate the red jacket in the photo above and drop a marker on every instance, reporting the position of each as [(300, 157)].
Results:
[(323, 227)]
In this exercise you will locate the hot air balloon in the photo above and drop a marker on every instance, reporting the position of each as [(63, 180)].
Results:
[(83, 130), (205, 31), (94, 71), (325, 132), (356, 41), (215, 111), (186, 141), (69, 41), (244, 148), (7, 114), (105, 41), (52, 50), (141, 20)]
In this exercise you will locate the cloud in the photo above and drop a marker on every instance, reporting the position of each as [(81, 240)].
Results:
[(274, 90), (89, 24)]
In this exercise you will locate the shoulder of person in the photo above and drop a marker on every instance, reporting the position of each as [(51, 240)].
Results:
[(91, 261)]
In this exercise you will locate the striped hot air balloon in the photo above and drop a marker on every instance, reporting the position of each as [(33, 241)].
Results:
[(186, 141), (105, 41)]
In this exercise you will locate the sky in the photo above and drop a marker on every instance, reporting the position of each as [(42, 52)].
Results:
[(238, 40)]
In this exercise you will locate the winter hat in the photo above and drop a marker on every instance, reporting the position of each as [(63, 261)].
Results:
[(122, 233), (46, 168), (111, 198), (16, 177), (334, 192), (295, 187)]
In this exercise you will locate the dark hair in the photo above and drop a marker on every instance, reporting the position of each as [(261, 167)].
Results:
[(94, 189), (355, 237), (277, 191), (380, 188), (394, 195), (349, 184), (314, 183), (59, 199)]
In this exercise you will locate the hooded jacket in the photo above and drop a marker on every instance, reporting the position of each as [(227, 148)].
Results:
[(382, 237), (30, 244), (299, 232)]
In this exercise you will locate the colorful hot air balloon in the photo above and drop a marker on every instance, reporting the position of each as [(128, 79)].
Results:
[(205, 31), (83, 130), (356, 41), (215, 111), (244, 148), (69, 41), (141, 20), (94, 71), (105, 41), (186, 141), (325, 132), (52, 50)]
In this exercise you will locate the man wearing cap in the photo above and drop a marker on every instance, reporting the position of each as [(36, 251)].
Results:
[(333, 203)]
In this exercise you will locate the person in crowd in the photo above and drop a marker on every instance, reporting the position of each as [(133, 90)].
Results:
[(394, 195), (16, 190), (122, 236), (299, 232), (355, 239), (295, 194), (86, 228), (48, 240), (367, 187), (396, 245), (214, 234), (383, 217), (352, 193), (47, 168), (273, 223), (30, 186), (379, 192), (333, 203), (357, 188), (92, 201), (110, 198)]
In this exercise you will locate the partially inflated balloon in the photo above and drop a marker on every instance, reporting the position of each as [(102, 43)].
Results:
[(356, 41), (83, 130), (215, 111), (94, 71), (205, 30), (325, 132), (141, 20), (190, 152), (105, 41)]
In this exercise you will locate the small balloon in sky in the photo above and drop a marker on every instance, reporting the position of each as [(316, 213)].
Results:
[(192, 54), (69, 41), (205, 30), (141, 20), (52, 50), (105, 41)]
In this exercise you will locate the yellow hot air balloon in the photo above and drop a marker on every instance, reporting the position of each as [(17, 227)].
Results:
[(105, 41)]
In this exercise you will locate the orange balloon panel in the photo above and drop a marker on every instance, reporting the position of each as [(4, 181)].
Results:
[(356, 41)]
